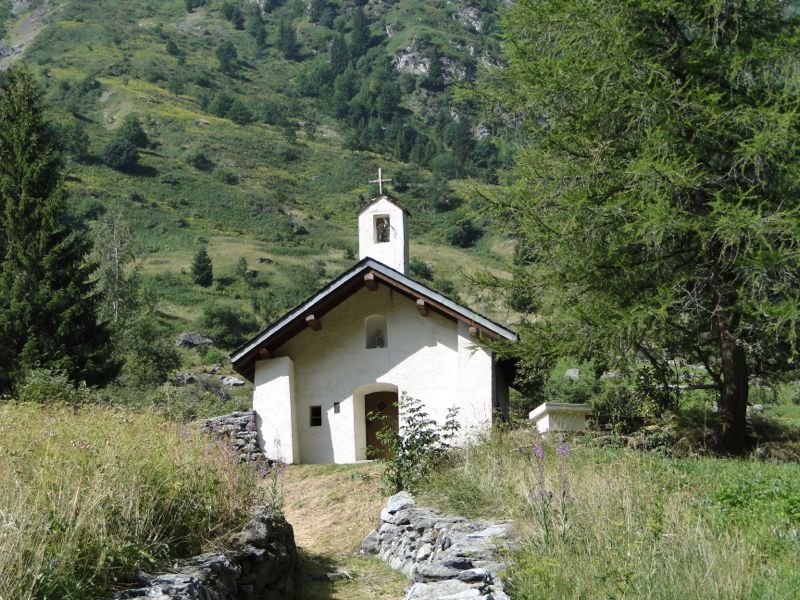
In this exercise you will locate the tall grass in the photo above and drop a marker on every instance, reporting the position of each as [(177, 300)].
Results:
[(88, 496), (611, 523)]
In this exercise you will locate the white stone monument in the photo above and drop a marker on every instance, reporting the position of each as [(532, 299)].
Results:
[(560, 417)]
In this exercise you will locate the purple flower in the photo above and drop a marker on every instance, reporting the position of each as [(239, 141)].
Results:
[(538, 451), (562, 450)]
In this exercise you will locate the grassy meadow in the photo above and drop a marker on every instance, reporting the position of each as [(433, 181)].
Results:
[(608, 522), (91, 495)]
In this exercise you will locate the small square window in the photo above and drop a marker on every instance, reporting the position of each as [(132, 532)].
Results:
[(336, 408), (316, 416)]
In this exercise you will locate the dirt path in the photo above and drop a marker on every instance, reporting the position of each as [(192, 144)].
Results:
[(332, 508)]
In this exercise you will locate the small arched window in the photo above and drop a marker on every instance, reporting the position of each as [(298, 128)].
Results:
[(375, 331)]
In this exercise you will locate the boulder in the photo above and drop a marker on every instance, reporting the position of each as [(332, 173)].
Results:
[(192, 339), (232, 381)]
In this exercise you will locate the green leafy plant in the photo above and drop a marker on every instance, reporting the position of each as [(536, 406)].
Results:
[(120, 154), (416, 449)]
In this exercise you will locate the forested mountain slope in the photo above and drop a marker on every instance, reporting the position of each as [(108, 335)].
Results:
[(258, 126)]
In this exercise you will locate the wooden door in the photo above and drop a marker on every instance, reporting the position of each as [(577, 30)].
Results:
[(381, 411)]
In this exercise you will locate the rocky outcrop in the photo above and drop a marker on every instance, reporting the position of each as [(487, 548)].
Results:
[(192, 339), (262, 563), (239, 431), (444, 555)]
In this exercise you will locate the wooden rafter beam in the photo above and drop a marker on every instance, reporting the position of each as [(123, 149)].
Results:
[(263, 353), (371, 282), (422, 308), (313, 322)]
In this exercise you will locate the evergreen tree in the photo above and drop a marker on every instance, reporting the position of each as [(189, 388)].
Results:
[(359, 33), (255, 26), (232, 12), (202, 269), (48, 307), (227, 57), (132, 130), (340, 55), (315, 10), (287, 38), (659, 190), (434, 79)]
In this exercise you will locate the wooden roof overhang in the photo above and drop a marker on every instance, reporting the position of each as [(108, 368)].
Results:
[(366, 273)]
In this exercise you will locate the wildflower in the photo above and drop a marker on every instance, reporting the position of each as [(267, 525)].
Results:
[(538, 451), (264, 471), (562, 449)]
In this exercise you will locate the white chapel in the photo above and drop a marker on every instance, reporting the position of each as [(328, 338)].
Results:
[(356, 345)]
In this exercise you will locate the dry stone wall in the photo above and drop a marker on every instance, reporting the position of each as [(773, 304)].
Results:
[(239, 431), (447, 557), (261, 564)]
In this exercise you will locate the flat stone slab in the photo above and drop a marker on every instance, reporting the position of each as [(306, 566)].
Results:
[(444, 590)]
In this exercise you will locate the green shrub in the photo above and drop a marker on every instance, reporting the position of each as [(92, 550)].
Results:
[(228, 326), (420, 269), (42, 386), (416, 449), (192, 4), (226, 176), (205, 398), (464, 234), (132, 130), (199, 160), (120, 154), (239, 113)]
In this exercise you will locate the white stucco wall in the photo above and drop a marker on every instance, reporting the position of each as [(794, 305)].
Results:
[(473, 385), (393, 253), (273, 402), (431, 358)]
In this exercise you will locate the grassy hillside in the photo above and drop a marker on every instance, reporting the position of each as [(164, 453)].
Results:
[(269, 156)]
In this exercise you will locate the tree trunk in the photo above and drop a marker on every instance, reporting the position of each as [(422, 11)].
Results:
[(734, 389)]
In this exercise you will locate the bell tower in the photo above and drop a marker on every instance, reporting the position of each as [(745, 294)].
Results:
[(383, 231)]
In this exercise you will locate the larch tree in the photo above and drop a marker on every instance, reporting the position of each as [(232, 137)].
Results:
[(48, 305), (656, 195)]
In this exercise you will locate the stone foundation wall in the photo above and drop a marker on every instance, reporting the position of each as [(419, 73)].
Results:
[(444, 555), (239, 431), (261, 564)]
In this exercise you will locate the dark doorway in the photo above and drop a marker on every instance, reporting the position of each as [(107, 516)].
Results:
[(381, 411)]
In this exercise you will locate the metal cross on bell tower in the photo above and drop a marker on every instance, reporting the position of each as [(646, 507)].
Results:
[(380, 181)]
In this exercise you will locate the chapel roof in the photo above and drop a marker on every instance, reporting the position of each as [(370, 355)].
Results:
[(383, 196), (364, 273)]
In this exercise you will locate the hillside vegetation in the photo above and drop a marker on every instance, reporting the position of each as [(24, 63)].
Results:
[(604, 522), (91, 495), (257, 128)]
